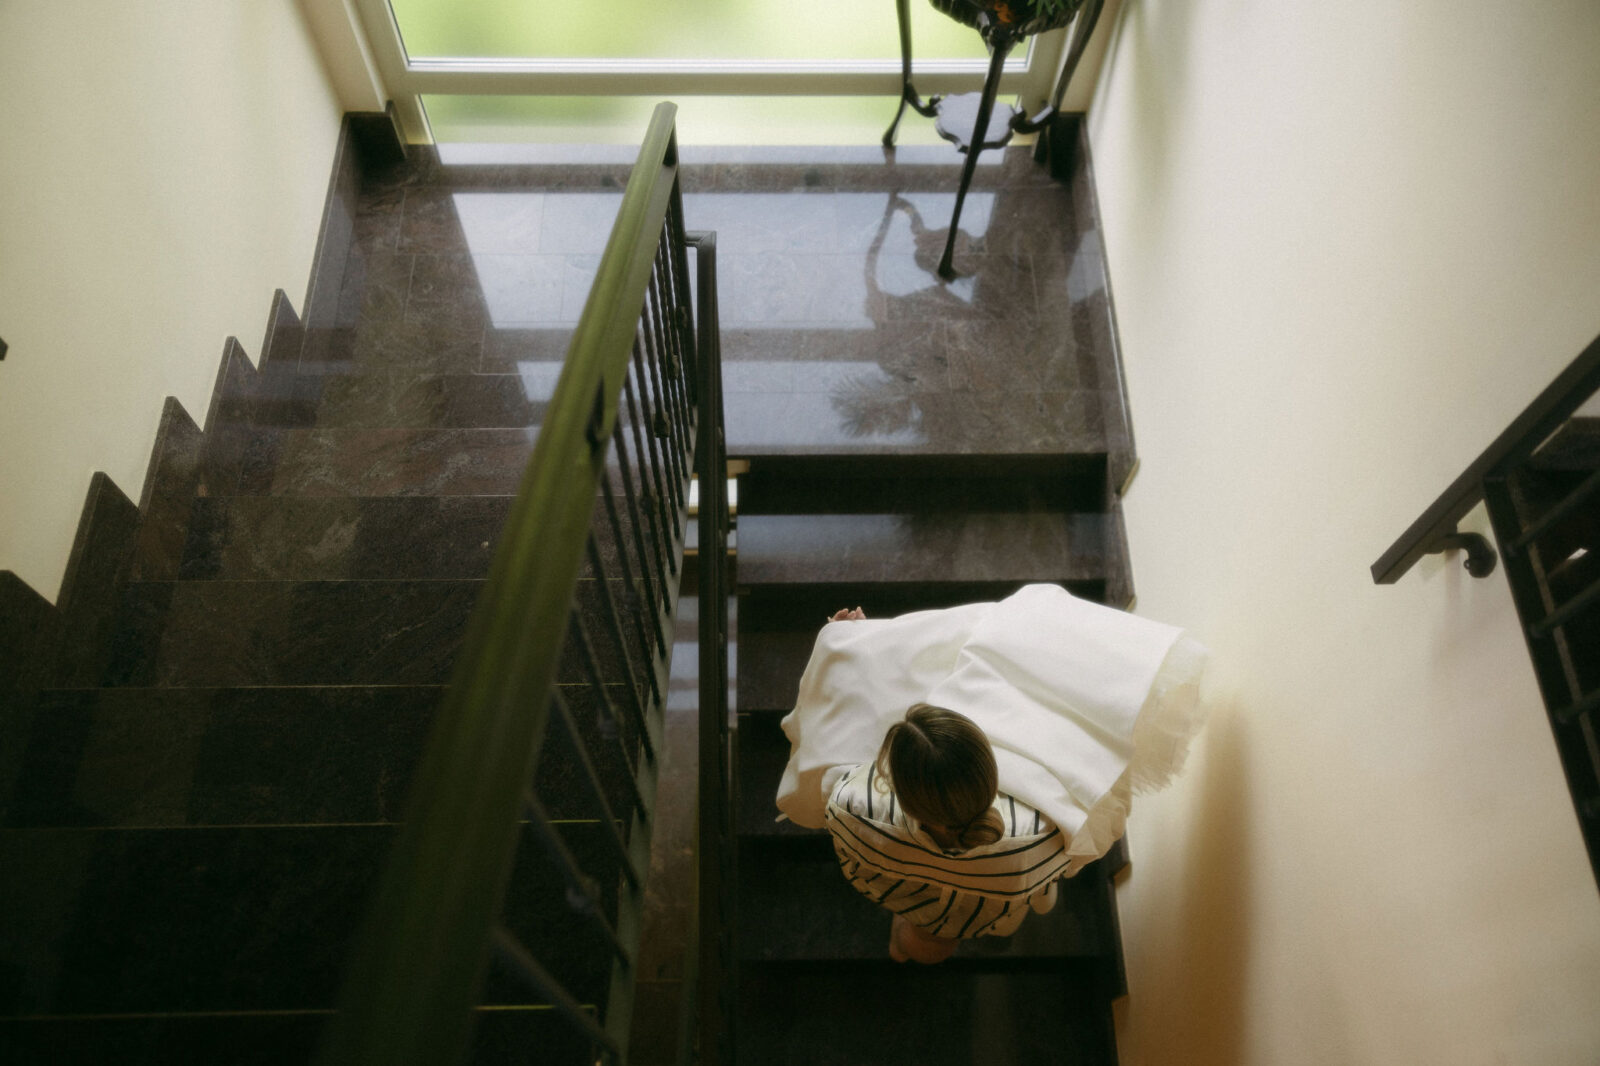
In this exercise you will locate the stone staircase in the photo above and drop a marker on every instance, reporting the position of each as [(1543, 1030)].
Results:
[(816, 980), (206, 744)]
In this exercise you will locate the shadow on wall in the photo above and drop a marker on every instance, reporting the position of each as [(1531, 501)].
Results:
[(1193, 1010), (1160, 72)]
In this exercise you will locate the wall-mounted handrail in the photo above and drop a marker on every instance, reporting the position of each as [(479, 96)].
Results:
[(416, 974), (1434, 529), (1540, 482)]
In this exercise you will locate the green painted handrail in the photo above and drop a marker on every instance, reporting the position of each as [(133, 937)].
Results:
[(419, 961)]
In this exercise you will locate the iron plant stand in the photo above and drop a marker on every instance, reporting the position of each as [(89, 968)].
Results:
[(1000, 35)]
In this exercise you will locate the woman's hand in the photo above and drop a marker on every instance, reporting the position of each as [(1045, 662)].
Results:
[(848, 614)]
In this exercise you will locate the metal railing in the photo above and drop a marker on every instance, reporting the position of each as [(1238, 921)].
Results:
[(1540, 480), (715, 956), (575, 626)]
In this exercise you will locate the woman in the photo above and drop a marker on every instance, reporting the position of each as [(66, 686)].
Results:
[(924, 832), (1031, 723)]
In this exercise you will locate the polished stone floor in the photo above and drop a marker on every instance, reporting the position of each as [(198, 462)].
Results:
[(838, 335)]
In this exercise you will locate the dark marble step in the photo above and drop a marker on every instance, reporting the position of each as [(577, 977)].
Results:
[(275, 1039), (865, 1014), (774, 661), (373, 462), (803, 484), (763, 753), (285, 396), (258, 756), (862, 549), (795, 905), (237, 919), (304, 538), (251, 633), (867, 411), (381, 462)]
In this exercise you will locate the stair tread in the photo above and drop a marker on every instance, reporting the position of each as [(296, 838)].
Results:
[(375, 462), (898, 548), (772, 665), (163, 757), (856, 409), (394, 537), (288, 396), (254, 1039), (374, 632), (763, 753), (130, 916), (816, 485), (892, 1013), (795, 905)]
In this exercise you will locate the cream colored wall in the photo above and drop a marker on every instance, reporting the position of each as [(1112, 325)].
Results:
[(1348, 242), (164, 170)]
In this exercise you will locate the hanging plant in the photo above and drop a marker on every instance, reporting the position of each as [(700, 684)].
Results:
[(1013, 18), (1023, 10)]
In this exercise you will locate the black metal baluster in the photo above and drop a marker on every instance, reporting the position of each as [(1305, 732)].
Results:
[(635, 797), (580, 637), (636, 700), (587, 891), (1567, 505), (659, 420), (655, 494), (592, 772), (609, 609), (680, 259), (1553, 667), (637, 521), (672, 363), (659, 359), (676, 259), (628, 582), (583, 892), (517, 958)]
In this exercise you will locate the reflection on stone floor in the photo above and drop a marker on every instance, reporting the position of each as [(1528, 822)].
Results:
[(838, 333)]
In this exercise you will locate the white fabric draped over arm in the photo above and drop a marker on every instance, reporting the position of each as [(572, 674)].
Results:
[(1062, 687)]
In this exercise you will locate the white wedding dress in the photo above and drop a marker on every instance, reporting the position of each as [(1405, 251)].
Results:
[(1083, 704)]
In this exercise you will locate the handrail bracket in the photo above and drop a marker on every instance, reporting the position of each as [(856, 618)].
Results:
[(1481, 558)]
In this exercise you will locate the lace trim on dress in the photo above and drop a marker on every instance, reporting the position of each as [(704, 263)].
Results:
[(1171, 716)]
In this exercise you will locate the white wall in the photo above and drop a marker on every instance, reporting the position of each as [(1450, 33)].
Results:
[(1348, 242), (163, 171)]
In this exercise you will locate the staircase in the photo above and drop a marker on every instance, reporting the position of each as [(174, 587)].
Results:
[(972, 441), (816, 983), (205, 748)]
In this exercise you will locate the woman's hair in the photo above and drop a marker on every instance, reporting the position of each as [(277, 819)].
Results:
[(943, 771)]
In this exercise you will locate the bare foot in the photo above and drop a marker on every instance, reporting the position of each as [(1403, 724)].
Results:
[(908, 942), (848, 614)]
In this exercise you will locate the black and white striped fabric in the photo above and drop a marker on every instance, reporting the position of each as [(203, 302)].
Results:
[(984, 891)]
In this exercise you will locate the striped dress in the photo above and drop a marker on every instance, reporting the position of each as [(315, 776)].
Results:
[(983, 891)]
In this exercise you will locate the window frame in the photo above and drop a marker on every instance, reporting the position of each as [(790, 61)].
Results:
[(1030, 75)]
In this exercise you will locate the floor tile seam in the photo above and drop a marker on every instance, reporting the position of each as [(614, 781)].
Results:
[(232, 496), (248, 1012), (190, 582), (6, 831), (951, 513), (116, 1016), (351, 685)]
